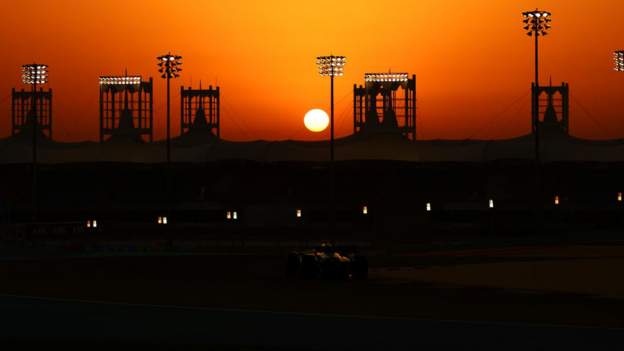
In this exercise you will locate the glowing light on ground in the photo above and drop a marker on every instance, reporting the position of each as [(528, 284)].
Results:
[(316, 120)]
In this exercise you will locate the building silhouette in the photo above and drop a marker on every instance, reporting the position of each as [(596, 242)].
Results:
[(385, 104), (28, 107), (552, 107), (200, 111), (384, 115), (126, 109)]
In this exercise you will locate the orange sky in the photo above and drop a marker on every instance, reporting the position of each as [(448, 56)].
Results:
[(472, 60)]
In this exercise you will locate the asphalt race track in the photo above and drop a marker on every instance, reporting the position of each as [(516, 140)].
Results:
[(27, 320)]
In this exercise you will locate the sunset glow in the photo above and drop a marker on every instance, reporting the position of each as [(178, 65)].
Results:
[(472, 60)]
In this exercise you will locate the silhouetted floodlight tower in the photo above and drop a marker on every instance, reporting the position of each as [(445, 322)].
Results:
[(331, 66), (536, 23), (387, 102), (618, 57), (34, 74), (200, 109), (169, 67), (126, 108)]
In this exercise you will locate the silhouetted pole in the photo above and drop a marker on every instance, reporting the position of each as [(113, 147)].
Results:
[(34, 123), (536, 60), (618, 60), (35, 195), (332, 165), (536, 107), (34, 74), (536, 24), (169, 68), (331, 121), (168, 119), (332, 66)]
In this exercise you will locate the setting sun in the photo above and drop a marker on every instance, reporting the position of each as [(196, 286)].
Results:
[(316, 120)]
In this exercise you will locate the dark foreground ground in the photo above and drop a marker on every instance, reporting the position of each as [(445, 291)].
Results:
[(94, 325), (564, 294), (452, 290)]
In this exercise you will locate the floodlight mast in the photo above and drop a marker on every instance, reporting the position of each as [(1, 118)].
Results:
[(169, 67), (34, 74), (537, 23), (331, 66)]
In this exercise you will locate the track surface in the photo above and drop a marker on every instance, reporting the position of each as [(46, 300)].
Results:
[(54, 321), (441, 300)]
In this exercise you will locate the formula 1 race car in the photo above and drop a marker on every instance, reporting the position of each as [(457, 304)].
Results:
[(327, 262)]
